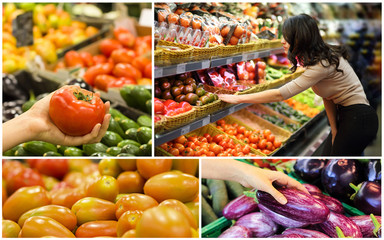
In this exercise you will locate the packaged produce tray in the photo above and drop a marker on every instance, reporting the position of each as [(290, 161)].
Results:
[(255, 122), (169, 56), (266, 110), (208, 108), (180, 119)]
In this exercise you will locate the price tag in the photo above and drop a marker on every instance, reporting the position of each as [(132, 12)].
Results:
[(245, 57), (231, 110), (158, 72), (22, 29), (256, 55), (206, 121), (205, 64), (229, 61), (180, 68), (185, 130)]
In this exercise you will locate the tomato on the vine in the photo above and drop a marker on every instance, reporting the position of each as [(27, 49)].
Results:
[(76, 111)]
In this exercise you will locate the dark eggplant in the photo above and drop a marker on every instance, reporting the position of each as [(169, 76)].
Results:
[(305, 233), (309, 169), (259, 224), (332, 203), (239, 207), (280, 219), (367, 225), (236, 232), (347, 226), (312, 188), (373, 170), (367, 197), (290, 235), (300, 206), (337, 176)]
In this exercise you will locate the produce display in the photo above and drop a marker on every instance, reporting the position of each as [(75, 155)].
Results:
[(286, 110), (53, 31), (143, 198), (335, 207)]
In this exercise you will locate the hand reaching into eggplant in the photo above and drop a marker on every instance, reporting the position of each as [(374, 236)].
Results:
[(249, 176), (36, 124)]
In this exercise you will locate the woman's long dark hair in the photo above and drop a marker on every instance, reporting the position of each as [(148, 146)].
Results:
[(306, 45)]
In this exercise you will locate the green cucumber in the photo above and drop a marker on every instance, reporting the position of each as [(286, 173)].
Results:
[(125, 155), (128, 141), (144, 121), (126, 94), (100, 154), (61, 149), (38, 148), (148, 105), (127, 123), (145, 150), (131, 149), (11, 152), (141, 95), (114, 151), (51, 153), (73, 151), (111, 139), (144, 134), (116, 113), (22, 152), (131, 134), (115, 127), (89, 149), (219, 195)]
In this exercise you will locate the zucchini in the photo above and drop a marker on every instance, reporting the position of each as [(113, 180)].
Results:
[(144, 121), (73, 151), (114, 151), (144, 134), (89, 149), (234, 189), (38, 148), (52, 153), (219, 195), (207, 213), (128, 141), (111, 139), (131, 149)]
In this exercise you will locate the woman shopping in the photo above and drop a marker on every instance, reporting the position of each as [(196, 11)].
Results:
[(354, 123)]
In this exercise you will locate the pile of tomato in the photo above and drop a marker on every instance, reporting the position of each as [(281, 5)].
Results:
[(170, 107), (220, 145), (121, 61), (112, 198), (262, 140)]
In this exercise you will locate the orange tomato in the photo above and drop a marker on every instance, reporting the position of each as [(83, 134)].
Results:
[(128, 221), (41, 226), (189, 166), (106, 187), (66, 197), (97, 229), (134, 201), (181, 208), (130, 182), (129, 234), (150, 167), (110, 167), (127, 164), (90, 209), (10, 229)]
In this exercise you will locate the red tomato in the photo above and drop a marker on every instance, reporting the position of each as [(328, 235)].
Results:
[(25, 177), (140, 63), (159, 108), (261, 65), (124, 36), (170, 104), (120, 82), (123, 55), (148, 71), (53, 167), (87, 59), (73, 59), (262, 144), (103, 81), (250, 66), (94, 71), (185, 105), (276, 144), (97, 229), (107, 46), (126, 70), (76, 111), (99, 59)]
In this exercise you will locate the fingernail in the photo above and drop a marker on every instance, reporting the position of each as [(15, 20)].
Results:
[(282, 200)]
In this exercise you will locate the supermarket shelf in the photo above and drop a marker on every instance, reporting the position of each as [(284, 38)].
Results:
[(174, 133), (165, 71)]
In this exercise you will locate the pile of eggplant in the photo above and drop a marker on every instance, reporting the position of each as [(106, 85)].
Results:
[(314, 215)]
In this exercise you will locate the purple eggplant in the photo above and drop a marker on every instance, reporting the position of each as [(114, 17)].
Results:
[(367, 197), (259, 224), (290, 235), (373, 170), (312, 188), (306, 233), (332, 203), (309, 169), (338, 174), (236, 232), (239, 207), (347, 226), (367, 225), (300, 207), (280, 219)]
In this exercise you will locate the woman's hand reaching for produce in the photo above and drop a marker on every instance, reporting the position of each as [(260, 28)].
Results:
[(35, 124), (229, 98), (249, 176)]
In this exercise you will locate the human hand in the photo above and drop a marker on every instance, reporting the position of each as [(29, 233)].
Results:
[(42, 128), (228, 98)]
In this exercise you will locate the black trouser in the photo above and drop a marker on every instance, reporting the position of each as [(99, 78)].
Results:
[(357, 126)]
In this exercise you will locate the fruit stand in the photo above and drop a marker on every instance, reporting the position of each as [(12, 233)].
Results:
[(249, 58), (230, 211), (100, 198), (110, 56)]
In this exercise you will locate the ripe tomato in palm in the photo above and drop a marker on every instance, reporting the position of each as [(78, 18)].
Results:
[(123, 55), (76, 111), (107, 46), (126, 70)]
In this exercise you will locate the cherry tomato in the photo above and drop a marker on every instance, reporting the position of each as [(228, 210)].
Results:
[(181, 208), (107, 46), (174, 151), (61, 214), (151, 167), (97, 229), (262, 144), (106, 187), (134, 201), (123, 55), (128, 221), (93, 209), (276, 144), (163, 222), (24, 199), (41, 226), (76, 111), (126, 70), (266, 133), (130, 182), (172, 185)]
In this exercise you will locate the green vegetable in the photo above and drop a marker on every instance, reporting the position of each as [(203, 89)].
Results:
[(128, 141), (207, 213), (51, 153), (144, 121), (115, 127), (219, 195), (111, 139), (131, 149), (114, 151), (38, 148), (146, 150), (235, 189), (144, 134), (89, 149), (73, 151)]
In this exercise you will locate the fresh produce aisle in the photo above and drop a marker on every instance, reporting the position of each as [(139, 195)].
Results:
[(230, 210), (235, 62)]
